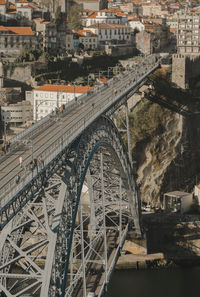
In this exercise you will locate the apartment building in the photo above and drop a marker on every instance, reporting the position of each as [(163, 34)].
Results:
[(111, 33), (19, 113), (109, 16), (188, 35), (87, 39), (12, 39)]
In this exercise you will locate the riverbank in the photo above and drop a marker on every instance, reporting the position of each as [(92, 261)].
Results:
[(172, 240)]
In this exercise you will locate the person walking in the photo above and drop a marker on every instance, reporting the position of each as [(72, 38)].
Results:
[(20, 161), (17, 179)]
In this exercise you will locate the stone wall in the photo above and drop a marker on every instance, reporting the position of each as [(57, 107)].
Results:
[(185, 68), (22, 74)]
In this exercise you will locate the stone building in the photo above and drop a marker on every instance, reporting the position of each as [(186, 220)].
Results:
[(111, 33), (154, 38), (185, 68), (87, 39), (51, 36), (12, 39)]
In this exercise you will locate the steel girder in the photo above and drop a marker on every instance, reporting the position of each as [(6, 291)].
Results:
[(51, 246)]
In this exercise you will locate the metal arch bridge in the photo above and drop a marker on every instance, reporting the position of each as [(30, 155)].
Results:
[(64, 223)]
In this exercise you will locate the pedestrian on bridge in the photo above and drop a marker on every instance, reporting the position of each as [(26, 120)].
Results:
[(20, 161), (17, 179)]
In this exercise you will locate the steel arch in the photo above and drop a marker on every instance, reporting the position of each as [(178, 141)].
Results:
[(102, 133), (53, 210)]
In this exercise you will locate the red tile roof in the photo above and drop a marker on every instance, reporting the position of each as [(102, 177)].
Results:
[(63, 88), (29, 6), (18, 30), (2, 2), (83, 33), (22, 1)]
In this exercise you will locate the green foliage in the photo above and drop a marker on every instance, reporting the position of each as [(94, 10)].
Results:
[(147, 120), (74, 18), (28, 55)]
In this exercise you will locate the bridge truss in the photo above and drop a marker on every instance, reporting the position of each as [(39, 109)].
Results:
[(66, 239), (63, 226)]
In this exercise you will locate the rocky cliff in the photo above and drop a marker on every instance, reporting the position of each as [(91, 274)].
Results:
[(166, 150)]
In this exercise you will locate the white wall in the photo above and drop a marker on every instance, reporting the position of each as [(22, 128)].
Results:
[(45, 102)]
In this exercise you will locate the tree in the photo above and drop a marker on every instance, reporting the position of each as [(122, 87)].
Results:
[(74, 18)]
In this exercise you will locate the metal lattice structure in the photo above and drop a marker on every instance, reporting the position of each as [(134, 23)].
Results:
[(66, 240), (63, 225)]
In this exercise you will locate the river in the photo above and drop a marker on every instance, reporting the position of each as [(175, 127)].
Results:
[(176, 282)]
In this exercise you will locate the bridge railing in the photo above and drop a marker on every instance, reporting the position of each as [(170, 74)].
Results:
[(77, 126)]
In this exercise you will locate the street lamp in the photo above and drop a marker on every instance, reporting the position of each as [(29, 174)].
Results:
[(5, 125), (109, 68), (74, 90), (36, 107)]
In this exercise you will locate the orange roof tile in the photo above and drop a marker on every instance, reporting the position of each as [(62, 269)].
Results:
[(22, 1), (102, 79), (64, 88), (93, 15), (83, 33), (88, 10), (18, 30), (2, 2), (29, 6)]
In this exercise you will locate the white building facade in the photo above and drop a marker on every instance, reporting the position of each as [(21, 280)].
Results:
[(19, 113), (106, 16), (111, 33), (49, 97)]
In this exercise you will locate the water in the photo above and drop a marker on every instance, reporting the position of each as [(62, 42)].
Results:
[(183, 282)]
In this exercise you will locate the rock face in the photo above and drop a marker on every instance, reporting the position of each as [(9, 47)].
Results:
[(167, 156)]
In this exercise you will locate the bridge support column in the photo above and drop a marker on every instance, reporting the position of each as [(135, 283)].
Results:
[(104, 221), (82, 251), (128, 134)]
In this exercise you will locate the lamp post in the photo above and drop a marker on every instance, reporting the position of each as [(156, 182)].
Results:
[(74, 89), (5, 125), (36, 107), (109, 68)]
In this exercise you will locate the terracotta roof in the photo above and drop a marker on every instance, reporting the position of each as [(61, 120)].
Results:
[(18, 30), (83, 33), (88, 10), (22, 1), (102, 79), (2, 2), (93, 15), (64, 88), (29, 6), (134, 20)]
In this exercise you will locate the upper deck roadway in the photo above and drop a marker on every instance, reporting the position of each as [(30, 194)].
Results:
[(48, 137)]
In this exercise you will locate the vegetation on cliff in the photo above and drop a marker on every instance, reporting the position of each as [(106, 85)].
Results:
[(147, 120)]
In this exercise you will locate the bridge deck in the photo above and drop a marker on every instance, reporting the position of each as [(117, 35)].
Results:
[(49, 137)]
